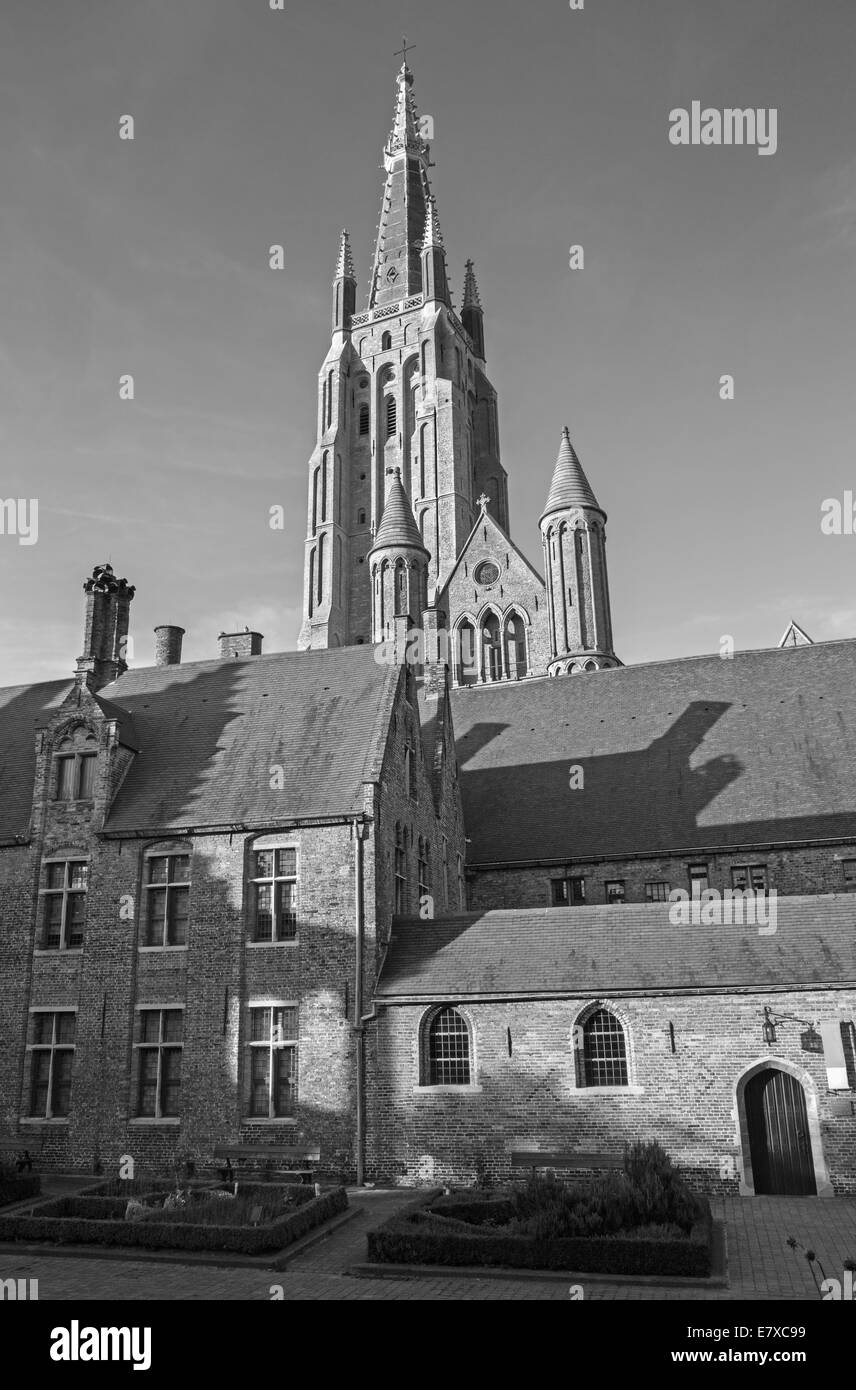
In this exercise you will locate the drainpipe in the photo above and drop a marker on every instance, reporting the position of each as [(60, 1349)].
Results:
[(359, 1024)]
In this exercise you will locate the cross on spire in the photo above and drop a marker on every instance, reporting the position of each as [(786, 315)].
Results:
[(402, 52), (483, 501)]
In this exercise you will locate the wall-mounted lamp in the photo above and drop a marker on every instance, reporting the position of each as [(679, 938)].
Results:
[(771, 1020)]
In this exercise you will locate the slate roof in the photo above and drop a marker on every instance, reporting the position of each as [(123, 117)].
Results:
[(701, 752), (612, 950), (570, 486), (209, 733), (22, 709)]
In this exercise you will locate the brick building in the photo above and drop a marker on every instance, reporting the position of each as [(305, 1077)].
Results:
[(422, 906)]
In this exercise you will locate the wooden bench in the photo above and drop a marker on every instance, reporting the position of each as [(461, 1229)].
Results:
[(541, 1158), (26, 1148), (309, 1153)]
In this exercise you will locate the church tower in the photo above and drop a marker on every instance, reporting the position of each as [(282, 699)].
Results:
[(573, 528), (403, 387)]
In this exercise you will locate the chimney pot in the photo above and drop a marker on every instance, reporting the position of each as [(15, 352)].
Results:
[(168, 645)]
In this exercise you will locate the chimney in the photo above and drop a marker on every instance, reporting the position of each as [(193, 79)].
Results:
[(168, 645), (240, 644), (105, 632)]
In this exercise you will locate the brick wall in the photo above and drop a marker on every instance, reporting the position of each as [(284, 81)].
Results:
[(809, 870), (530, 1098)]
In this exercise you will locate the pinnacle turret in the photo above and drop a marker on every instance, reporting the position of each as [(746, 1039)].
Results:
[(432, 235), (471, 289), (345, 263)]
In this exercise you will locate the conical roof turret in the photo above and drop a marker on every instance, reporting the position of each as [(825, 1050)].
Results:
[(570, 486), (398, 524)]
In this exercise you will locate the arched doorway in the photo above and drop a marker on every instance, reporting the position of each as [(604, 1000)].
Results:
[(778, 1132)]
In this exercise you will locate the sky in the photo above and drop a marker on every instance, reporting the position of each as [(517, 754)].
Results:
[(255, 127)]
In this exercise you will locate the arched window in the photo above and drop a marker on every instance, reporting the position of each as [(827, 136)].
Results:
[(492, 651), (329, 398), (466, 667), (423, 442), (361, 517), (425, 358), (324, 470), (604, 1054), (400, 895), (320, 590), (386, 342), (364, 418), (400, 588), (312, 565), (446, 1049), (391, 416), (315, 484), (515, 645)]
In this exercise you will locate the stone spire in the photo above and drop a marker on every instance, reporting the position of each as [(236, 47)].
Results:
[(345, 263), (344, 288), (472, 316), (471, 289), (574, 535), (435, 278), (570, 486), (397, 271)]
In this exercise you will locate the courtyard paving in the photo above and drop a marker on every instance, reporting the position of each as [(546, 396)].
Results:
[(760, 1264)]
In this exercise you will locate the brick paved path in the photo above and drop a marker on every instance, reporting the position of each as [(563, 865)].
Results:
[(760, 1264)]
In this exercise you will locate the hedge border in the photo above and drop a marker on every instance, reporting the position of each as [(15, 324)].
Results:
[(243, 1240), (400, 1241)]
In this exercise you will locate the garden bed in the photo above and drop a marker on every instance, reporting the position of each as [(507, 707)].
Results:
[(643, 1221), (260, 1219)]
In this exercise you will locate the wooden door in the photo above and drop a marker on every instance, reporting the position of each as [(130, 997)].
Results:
[(779, 1141)]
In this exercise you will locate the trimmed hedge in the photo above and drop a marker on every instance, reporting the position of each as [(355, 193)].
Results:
[(153, 1235), (17, 1187), (417, 1237)]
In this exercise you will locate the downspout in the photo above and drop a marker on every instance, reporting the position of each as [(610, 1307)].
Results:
[(359, 1023)]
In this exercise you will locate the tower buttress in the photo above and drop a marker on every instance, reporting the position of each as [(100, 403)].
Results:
[(435, 282), (573, 529)]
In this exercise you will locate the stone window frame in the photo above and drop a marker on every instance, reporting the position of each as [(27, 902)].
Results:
[(54, 1046), (652, 890), (748, 870), (270, 1045), (164, 849), (255, 845), (76, 735), (578, 1085), (424, 1084), (139, 1046), (66, 857)]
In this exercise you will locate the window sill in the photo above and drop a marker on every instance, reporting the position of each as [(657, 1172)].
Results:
[(33, 1120), (265, 945), (247, 1120), (580, 1091), (447, 1090), (58, 951), (147, 1120), (147, 950)]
